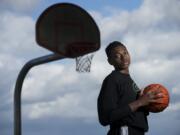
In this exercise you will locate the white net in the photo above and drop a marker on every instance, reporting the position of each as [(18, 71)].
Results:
[(83, 63)]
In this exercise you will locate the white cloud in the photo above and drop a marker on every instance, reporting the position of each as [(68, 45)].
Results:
[(174, 107), (67, 106), (152, 17), (46, 81), (176, 89), (19, 5), (17, 34), (54, 91), (157, 70), (8, 76)]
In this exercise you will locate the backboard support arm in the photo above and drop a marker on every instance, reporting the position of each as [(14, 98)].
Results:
[(19, 83)]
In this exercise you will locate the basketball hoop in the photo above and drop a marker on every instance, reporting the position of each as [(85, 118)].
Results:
[(83, 63), (70, 31)]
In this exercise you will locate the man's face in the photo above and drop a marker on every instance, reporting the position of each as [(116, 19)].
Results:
[(120, 58)]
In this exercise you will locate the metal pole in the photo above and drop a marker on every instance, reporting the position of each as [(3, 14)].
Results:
[(19, 83)]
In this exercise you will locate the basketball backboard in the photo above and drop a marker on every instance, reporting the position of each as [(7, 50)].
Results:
[(67, 29)]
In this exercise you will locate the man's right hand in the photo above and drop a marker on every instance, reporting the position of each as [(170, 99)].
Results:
[(145, 99)]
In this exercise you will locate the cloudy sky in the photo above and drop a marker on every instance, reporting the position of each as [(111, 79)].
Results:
[(56, 99)]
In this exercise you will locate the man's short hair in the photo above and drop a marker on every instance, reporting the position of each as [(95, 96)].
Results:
[(111, 46)]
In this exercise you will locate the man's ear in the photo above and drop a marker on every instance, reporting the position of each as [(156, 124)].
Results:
[(110, 61)]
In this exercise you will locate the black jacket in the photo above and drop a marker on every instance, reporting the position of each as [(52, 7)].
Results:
[(117, 91)]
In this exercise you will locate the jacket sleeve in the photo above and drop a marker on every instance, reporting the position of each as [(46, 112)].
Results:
[(108, 109)]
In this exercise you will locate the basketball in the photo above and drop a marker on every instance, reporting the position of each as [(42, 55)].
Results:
[(162, 102)]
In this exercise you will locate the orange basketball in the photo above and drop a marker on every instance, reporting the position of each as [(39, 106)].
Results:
[(162, 103)]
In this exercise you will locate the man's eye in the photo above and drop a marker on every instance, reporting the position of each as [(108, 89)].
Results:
[(125, 52), (117, 56)]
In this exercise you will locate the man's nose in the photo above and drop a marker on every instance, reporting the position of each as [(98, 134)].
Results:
[(123, 57)]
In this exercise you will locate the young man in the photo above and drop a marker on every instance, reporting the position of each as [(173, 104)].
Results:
[(119, 103)]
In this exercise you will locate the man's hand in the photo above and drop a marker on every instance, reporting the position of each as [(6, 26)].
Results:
[(150, 97), (145, 99), (140, 93)]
